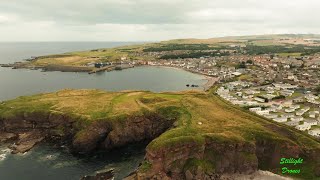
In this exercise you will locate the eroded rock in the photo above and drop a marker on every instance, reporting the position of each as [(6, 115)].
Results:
[(101, 175), (26, 141)]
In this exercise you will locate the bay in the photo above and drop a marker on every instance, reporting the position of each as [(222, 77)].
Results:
[(46, 162)]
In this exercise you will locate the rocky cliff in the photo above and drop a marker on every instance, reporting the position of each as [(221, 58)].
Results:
[(28, 129), (213, 159)]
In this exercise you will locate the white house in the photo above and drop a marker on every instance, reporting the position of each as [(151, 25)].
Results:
[(288, 115), (297, 118), (286, 66), (281, 119), (287, 103), (302, 111), (311, 122), (295, 106), (259, 99), (277, 106), (311, 97), (272, 109), (251, 92), (284, 86), (313, 114), (239, 94), (303, 127), (314, 132), (262, 112), (298, 100), (251, 103), (236, 73), (292, 123), (286, 92), (290, 110), (270, 116), (255, 109)]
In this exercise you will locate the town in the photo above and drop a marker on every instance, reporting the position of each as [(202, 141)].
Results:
[(281, 88)]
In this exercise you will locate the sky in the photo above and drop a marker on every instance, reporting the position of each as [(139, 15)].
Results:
[(150, 20)]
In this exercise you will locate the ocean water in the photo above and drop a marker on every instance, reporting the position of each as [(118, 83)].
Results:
[(46, 162), (17, 51), (14, 83), (49, 163)]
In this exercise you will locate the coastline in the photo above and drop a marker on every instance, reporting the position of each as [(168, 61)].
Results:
[(210, 80)]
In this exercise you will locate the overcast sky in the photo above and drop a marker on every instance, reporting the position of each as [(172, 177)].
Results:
[(149, 20)]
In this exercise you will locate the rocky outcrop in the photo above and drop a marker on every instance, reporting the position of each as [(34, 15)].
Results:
[(7, 137), (91, 138), (101, 175), (28, 129), (135, 129), (26, 141), (110, 134)]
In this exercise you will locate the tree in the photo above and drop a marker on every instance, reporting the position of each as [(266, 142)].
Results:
[(241, 65), (249, 62), (271, 56)]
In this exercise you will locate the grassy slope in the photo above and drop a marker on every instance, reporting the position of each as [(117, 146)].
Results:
[(90, 104), (82, 58), (219, 119)]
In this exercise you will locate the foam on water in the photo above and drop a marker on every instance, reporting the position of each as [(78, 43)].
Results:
[(4, 153)]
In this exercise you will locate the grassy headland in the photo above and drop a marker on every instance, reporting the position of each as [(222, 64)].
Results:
[(200, 125)]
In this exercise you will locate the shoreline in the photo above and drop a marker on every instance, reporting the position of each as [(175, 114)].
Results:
[(210, 79)]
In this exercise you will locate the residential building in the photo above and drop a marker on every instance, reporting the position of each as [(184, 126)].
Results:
[(303, 127), (297, 118), (292, 123), (314, 132), (255, 109), (312, 122), (281, 119)]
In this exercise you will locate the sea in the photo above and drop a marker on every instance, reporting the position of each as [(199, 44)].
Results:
[(48, 162)]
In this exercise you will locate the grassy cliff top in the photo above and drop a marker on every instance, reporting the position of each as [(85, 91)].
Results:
[(199, 114)]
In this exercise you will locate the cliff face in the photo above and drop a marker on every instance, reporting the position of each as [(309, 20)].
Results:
[(213, 159), (194, 161), (136, 129), (31, 128), (110, 134), (84, 138), (42, 120)]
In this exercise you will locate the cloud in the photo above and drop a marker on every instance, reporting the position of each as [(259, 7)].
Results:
[(136, 20), (7, 18)]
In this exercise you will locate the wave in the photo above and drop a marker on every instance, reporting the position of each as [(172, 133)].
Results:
[(4, 153)]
